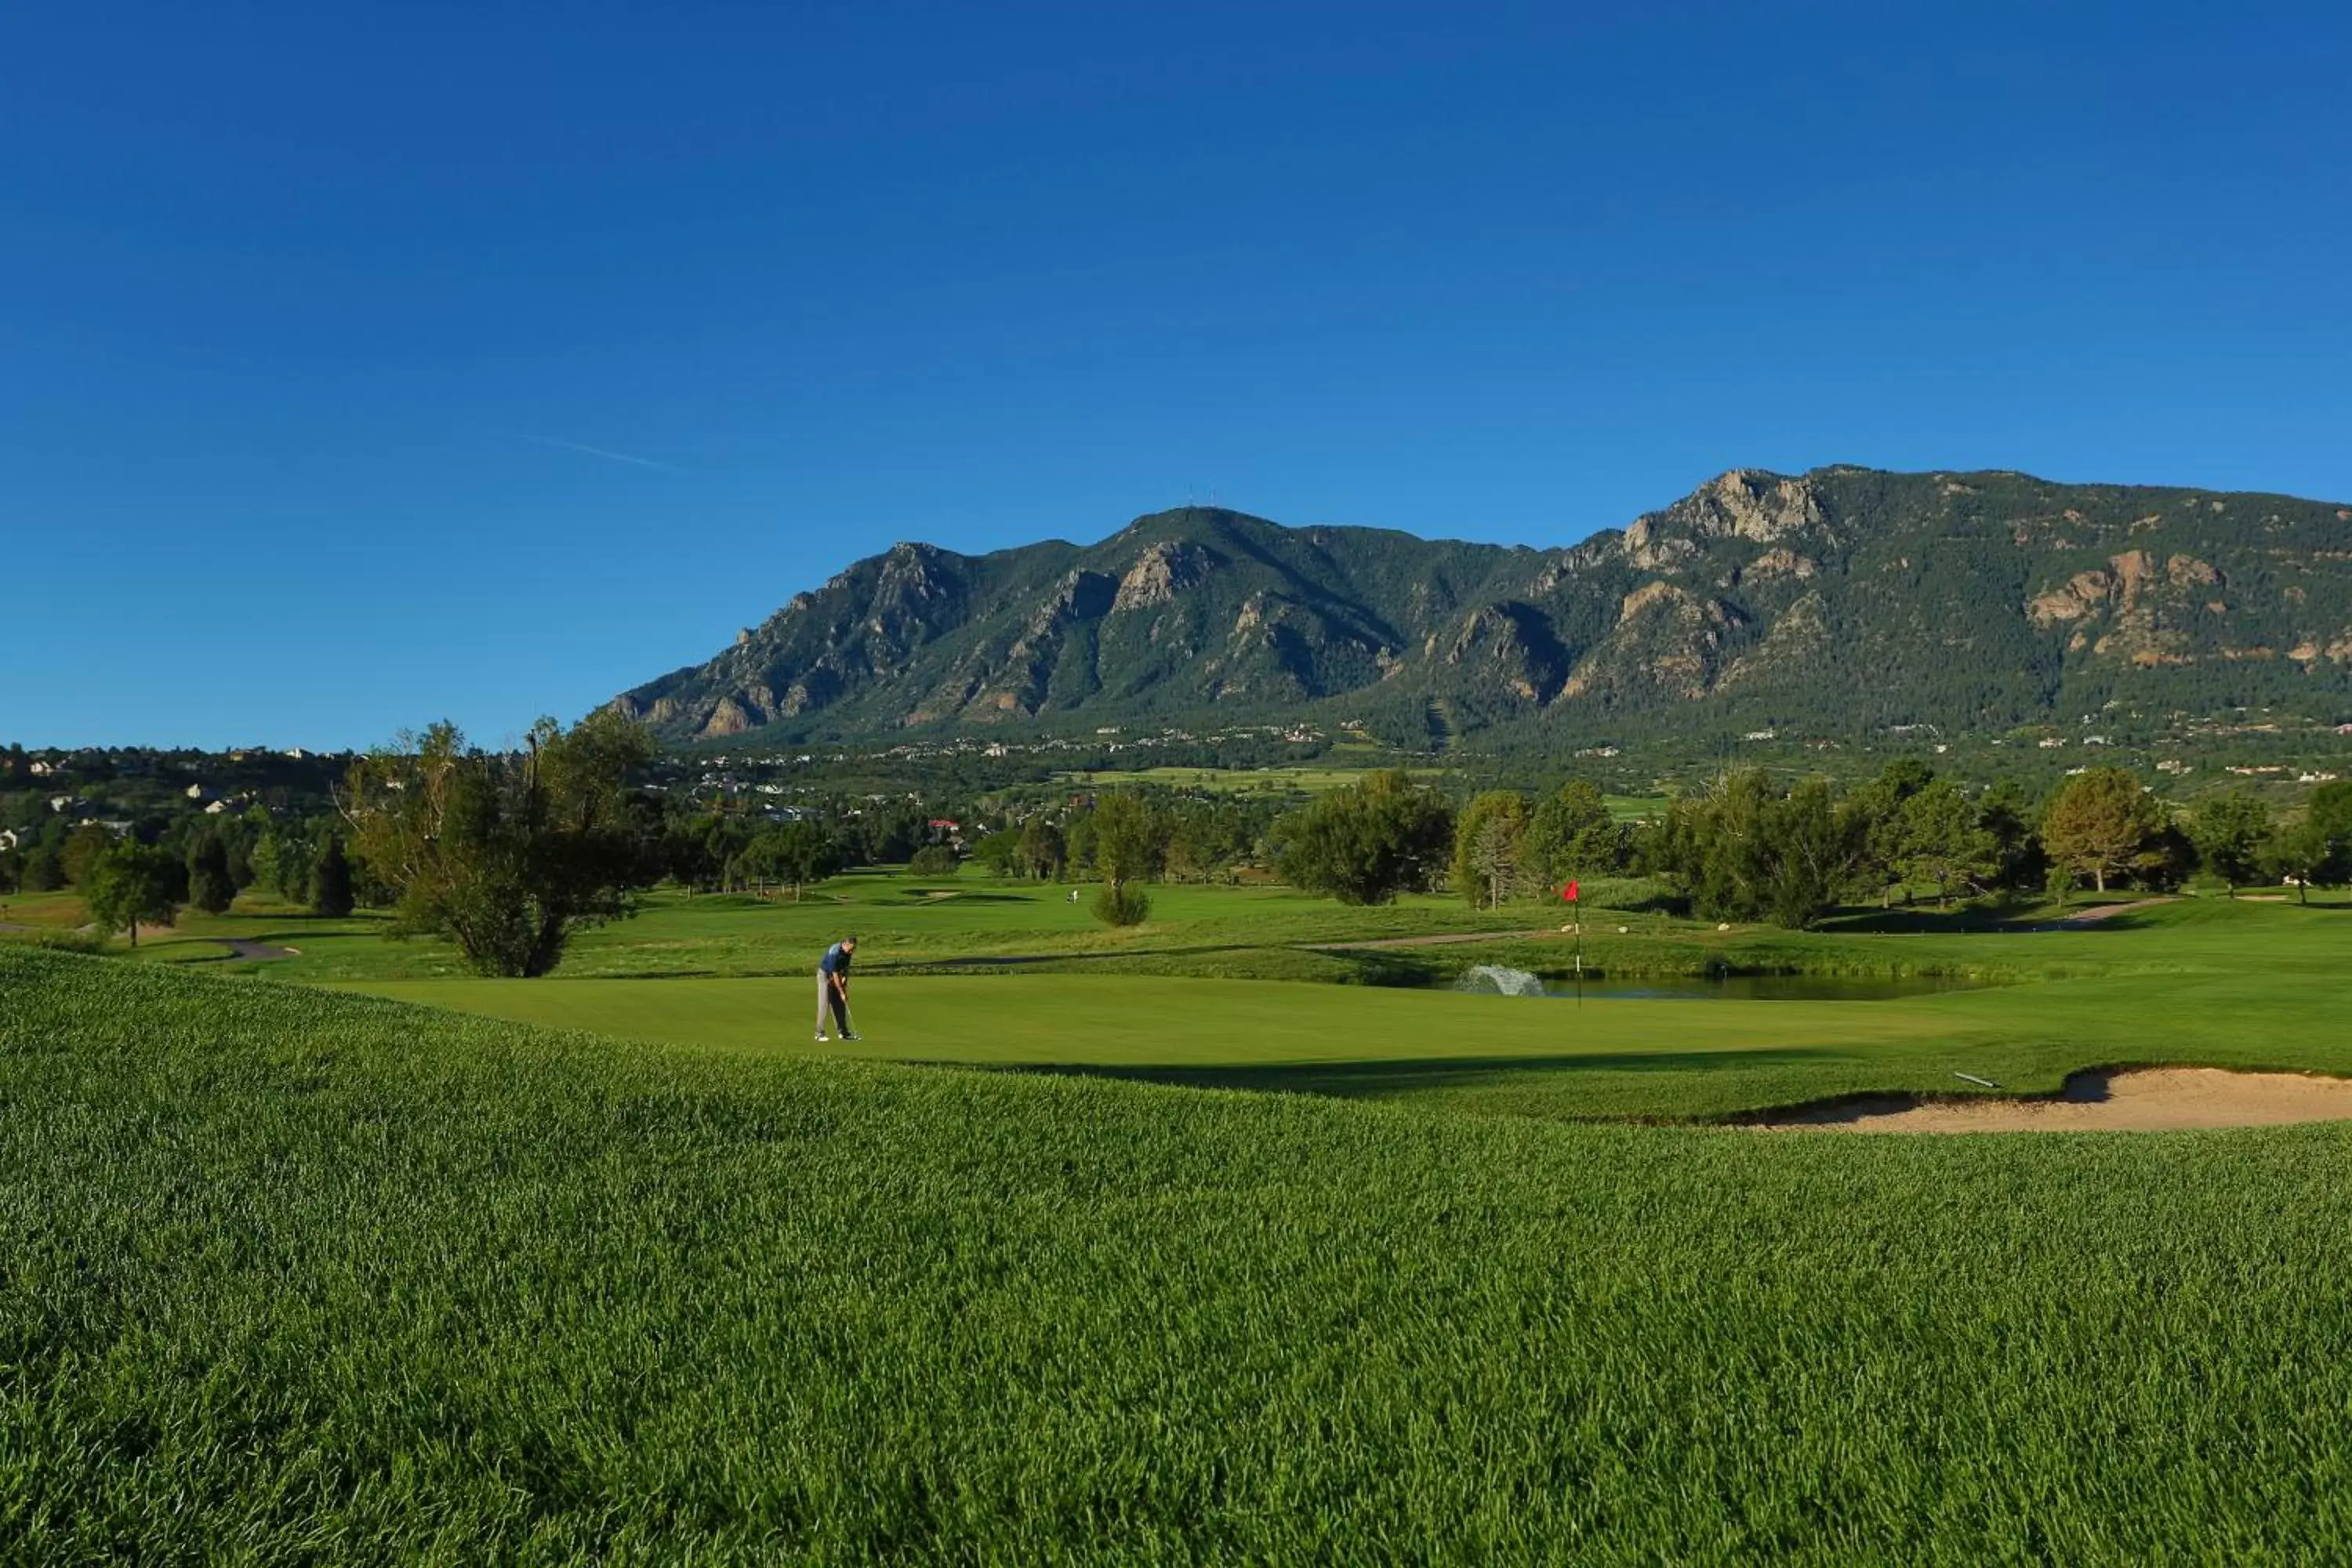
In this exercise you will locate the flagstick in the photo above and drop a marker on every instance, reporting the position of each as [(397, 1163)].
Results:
[(1576, 919)]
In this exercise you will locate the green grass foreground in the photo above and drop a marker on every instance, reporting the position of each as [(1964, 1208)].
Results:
[(294, 1277)]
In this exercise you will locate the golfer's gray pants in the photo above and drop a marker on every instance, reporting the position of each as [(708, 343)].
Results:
[(829, 1000)]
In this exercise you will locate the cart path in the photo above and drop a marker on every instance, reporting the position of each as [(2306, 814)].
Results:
[(2104, 911), (244, 948)]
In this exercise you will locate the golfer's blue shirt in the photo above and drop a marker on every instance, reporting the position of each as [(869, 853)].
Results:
[(834, 961)]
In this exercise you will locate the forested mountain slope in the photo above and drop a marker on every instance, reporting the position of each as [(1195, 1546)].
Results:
[(1845, 593)]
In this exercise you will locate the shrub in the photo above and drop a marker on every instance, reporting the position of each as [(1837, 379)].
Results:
[(1121, 905), (934, 860)]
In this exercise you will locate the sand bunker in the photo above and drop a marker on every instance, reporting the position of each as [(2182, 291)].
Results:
[(2132, 1099)]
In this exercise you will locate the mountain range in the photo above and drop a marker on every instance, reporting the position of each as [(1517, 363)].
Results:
[(1846, 596)]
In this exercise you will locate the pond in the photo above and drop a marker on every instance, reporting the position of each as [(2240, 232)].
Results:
[(1768, 989), (1494, 980)]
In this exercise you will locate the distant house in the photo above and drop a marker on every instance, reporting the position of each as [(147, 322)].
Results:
[(197, 792), (15, 837), (218, 808), (45, 769), (62, 803)]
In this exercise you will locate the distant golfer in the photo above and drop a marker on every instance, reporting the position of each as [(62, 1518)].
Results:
[(832, 987)]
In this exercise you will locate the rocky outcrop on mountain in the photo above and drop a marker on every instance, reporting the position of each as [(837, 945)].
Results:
[(1160, 574), (1951, 598)]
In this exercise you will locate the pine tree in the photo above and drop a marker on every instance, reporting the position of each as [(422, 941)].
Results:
[(1487, 847), (2102, 825), (2230, 832), (211, 887), (330, 886)]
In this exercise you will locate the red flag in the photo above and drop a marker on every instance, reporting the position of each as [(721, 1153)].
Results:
[(1568, 892)]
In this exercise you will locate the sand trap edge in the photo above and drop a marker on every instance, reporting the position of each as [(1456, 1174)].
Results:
[(2166, 1098)]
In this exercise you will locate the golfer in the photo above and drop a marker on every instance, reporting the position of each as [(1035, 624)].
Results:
[(832, 987)]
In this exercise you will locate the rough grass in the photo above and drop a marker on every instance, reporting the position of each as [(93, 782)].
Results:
[(293, 1277)]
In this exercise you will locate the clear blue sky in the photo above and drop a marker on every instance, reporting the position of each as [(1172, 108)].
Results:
[(310, 315)]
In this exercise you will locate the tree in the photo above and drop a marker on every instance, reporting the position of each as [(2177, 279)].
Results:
[(1041, 849), (2329, 816), (12, 870), (45, 868), (1881, 808), (2020, 862), (934, 860), (285, 858), (804, 852), (129, 884), (1744, 850), (1813, 847), (505, 854), (2102, 825), (797, 853), (1000, 852), (211, 886), (1127, 849), (1367, 842), (83, 847), (2231, 831), (1571, 834), (1943, 839), (331, 882), (1487, 846), (269, 866), (2298, 853)]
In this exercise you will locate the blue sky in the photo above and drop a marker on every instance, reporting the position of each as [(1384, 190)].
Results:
[(360, 365)]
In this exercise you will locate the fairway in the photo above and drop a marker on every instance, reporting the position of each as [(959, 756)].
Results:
[(2253, 986)]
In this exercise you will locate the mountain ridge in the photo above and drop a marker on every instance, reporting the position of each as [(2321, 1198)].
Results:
[(1983, 596)]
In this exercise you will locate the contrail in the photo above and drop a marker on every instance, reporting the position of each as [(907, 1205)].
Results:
[(602, 452)]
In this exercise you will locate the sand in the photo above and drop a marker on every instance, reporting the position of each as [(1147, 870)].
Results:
[(2134, 1100)]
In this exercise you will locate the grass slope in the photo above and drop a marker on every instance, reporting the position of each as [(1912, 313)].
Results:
[(299, 1278)]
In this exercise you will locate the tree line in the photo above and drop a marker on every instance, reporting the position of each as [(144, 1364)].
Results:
[(1752, 847), (508, 853)]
